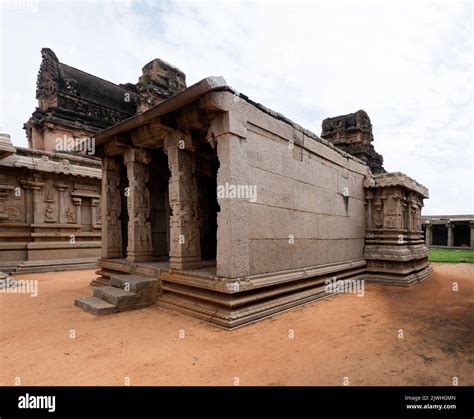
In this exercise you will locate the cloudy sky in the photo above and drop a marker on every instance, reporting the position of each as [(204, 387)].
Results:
[(408, 64)]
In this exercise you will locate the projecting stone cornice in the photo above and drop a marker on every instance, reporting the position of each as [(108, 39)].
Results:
[(53, 163), (396, 179)]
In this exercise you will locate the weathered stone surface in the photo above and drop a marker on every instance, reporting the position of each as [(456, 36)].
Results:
[(116, 296), (133, 283), (126, 292), (95, 306)]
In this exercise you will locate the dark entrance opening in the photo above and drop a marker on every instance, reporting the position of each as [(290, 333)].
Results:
[(207, 166), (461, 234), (123, 188), (440, 235), (160, 211)]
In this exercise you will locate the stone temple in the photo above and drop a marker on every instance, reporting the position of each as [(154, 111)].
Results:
[(50, 207), (222, 209)]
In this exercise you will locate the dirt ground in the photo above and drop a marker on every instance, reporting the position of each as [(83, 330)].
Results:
[(344, 337)]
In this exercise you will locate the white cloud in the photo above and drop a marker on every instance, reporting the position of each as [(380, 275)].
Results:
[(409, 65)]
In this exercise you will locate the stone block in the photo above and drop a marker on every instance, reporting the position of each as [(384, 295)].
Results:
[(116, 296), (95, 306)]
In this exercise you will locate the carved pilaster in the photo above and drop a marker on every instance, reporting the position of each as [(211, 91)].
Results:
[(78, 204), (32, 188), (96, 213), (138, 203), (369, 198), (61, 187)]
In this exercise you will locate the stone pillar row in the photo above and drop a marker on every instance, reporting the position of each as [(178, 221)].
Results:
[(228, 135), (185, 249)]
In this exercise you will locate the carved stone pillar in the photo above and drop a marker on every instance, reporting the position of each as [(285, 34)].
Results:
[(111, 209), (185, 246), (138, 203), (397, 199), (37, 217), (428, 240), (28, 204), (411, 216), (450, 234)]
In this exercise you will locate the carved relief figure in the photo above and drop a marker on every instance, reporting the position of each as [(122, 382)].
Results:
[(114, 236), (14, 213), (71, 215), (49, 196), (49, 215)]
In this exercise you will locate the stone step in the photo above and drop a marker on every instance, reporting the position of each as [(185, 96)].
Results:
[(117, 296), (100, 281), (134, 283), (95, 306)]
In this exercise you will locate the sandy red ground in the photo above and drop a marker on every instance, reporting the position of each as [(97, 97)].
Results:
[(342, 336)]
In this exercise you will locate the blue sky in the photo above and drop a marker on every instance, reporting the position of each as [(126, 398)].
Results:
[(408, 64)]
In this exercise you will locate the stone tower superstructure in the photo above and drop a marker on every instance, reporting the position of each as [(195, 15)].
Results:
[(77, 104), (352, 133)]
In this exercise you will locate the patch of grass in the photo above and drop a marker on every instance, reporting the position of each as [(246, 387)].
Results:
[(451, 255)]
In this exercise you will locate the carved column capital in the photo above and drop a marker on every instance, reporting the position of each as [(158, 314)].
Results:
[(137, 155), (181, 140)]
